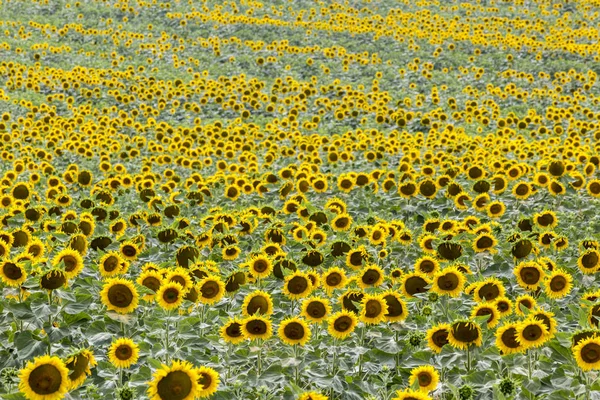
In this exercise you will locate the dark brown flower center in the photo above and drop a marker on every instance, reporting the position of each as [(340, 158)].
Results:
[(120, 295), (590, 353), (45, 380), (294, 331), (177, 385)]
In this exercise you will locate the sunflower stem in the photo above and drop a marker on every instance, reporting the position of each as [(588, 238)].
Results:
[(296, 372), (259, 359), (167, 339), (334, 357), (468, 358), (362, 343), (529, 364)]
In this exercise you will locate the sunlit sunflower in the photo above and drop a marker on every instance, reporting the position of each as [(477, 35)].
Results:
[(110, 264), (450, 281), (257, 302), (414, 283), (211, 289), (427, 265), (524, 302), (119, 295), (12, 273), (177, 381), (409, 394), (170, 295), (587, 353), (341, 324), (437, 336), (294, 331), (315, 309), (152, 280), (426, 376), (260, 266), (396, 307), (342, 222), (129, 250), (464, 333), (208, 379), (333, 278), (257, 327), (547, 318), (488, 290), (504, 306), (72, 261), (312, 396), (355, 258), (123, 353), (232, 332), (79, 365), (373, 310), (589, 261), (44, 378), (371, 276), (506, 339), (532, 333), (487, 309), (485, 242), (297, 285), (529, 274)]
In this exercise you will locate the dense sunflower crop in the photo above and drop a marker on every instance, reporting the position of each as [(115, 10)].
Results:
[(367, 199)]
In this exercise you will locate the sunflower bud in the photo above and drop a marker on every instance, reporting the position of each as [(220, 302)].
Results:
[(507, 387)]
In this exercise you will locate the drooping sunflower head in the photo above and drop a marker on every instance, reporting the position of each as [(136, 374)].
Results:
[(179, 381), (45, 377)]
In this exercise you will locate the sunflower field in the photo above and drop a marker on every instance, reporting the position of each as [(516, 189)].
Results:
[(299, 200)]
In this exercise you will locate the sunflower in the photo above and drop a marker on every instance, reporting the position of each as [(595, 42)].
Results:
[(524, 302), (256, 327), (426, 376), (370, 276), (587, 353), (495, 209), (152, 280), (488, 290), (294, 331), (79, 365), (396, 307), (72, 260), (558, 284), (297, 285), (589, 261), (257, 302), (53, 279), (230, 253), (119, 295), (409, 394), (374, 308), (532, 333), (211, 289), (170, 295), (312, 396), (529, 274), (44, 378), (110, 264), (180, 275), (12, 273), (522, 190), (341, 324), (545, 219), (356, 257), (208, 378), (489, 309), (129, 250), (232, 332), (506, 339), (426, 243), (333, 278), (177, 381), (437, 336), (464, 333), (485, 242), (504, 306), (342, 222), (547, 318), (414, 283), (123, 353), (427, 265), (315, 309), (260, 266), (449, 281)]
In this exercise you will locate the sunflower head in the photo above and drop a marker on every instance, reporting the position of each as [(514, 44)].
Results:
[(341, 324), (232, 332), (177, 381), (79, 365), (464, 333), (45, 377), (294, 331), (257, 327), (208, 379), (123, 353), (426, 377), (120, 295)]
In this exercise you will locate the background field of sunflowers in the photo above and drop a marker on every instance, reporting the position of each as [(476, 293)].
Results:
[(364, 199)]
